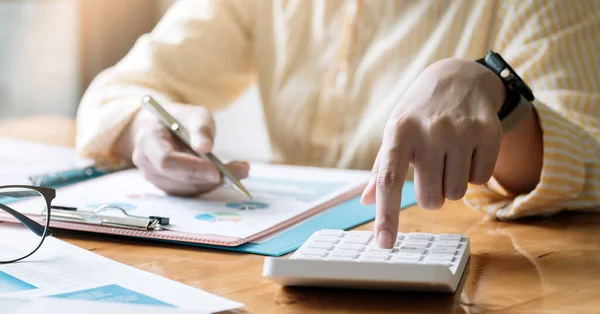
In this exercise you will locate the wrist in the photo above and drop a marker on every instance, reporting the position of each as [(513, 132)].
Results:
[(125, 144), (496, 89), (517, 94)]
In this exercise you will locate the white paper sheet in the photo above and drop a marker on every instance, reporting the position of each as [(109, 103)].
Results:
[(62, 306), (280, 193), (20, 159), (62, 271)]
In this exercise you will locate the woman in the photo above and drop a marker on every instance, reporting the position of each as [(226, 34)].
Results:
[(372, 85)]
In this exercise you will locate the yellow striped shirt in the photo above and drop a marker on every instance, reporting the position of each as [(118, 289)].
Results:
[(330, 72)]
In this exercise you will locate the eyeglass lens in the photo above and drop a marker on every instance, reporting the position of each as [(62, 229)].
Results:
[(20, 237)]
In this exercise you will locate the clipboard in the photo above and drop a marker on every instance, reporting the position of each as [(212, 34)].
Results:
[(286, 196), (343, 216), (341, 213)]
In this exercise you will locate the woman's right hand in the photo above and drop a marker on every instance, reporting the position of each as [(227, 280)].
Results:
[(167, 164)]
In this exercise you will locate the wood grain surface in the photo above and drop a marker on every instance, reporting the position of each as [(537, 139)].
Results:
[(536, 265)]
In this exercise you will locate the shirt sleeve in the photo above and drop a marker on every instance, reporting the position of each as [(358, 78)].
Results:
[(199, 54), (553, 46)]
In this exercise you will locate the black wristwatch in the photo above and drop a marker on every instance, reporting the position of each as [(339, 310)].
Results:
[(518, 94)]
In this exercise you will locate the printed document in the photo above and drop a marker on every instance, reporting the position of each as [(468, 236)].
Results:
[(21, 159), (280, 193), (59, 270), (63, 306)]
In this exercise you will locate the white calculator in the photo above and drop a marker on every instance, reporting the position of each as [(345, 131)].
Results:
[(352, 259)]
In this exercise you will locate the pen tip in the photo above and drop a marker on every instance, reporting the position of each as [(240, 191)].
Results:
[(244, 191)]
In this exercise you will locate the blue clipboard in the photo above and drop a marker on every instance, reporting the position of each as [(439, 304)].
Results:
[(343, 216)]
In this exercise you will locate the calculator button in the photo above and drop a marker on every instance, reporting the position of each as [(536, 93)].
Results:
[(361, 233), (453, 237), (421, 236), (318, 252), (375, 254), (336, 233), (356, 240), (443, 250), (438, 262), (375, 248), (358, 236), (326, 238), (320, 245), (345, 253), (450, 243), (350, 246), (445, 257), (408, 256), (413, 242), (412, 249)]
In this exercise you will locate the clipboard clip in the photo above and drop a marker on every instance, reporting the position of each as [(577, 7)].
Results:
[(108, 215)]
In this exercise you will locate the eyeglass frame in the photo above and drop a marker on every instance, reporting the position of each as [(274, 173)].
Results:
[(49, 195)]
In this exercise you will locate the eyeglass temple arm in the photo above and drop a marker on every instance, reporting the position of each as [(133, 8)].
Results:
[(32, 225), (19, 194)]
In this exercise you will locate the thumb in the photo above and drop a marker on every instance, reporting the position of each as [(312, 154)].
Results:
[(368, 195), (202, 133)]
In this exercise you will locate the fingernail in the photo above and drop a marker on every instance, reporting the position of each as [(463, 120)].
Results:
[(209, 175), (240, 164), (240, 173), (384, 239)]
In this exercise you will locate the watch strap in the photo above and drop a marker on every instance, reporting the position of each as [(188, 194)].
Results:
[(511, 101), (514, 108), (518, 113)]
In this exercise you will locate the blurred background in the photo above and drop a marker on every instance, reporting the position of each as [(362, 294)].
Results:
[(50, 50)]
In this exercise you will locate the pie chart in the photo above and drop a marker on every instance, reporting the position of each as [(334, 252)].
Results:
[(219, 216)]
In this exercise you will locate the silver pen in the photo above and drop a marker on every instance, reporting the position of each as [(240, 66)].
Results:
[(183, 135)]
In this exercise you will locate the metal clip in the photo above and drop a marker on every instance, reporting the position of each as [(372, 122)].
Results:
[(119, 218)]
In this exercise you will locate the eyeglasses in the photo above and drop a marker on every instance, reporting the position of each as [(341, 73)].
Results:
[(21, 236)]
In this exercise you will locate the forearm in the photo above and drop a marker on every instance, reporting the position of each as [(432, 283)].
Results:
[(548, 163), (520, 160)]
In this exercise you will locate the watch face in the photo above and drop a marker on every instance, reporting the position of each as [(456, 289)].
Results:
[(506, 72), (495, 61)]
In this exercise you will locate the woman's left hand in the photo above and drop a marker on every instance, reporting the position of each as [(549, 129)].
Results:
[(446, 126)]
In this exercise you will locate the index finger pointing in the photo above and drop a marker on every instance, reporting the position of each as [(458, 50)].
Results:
[(392, 172)]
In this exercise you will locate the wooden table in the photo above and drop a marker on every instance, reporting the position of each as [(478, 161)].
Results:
[(540, 265)]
